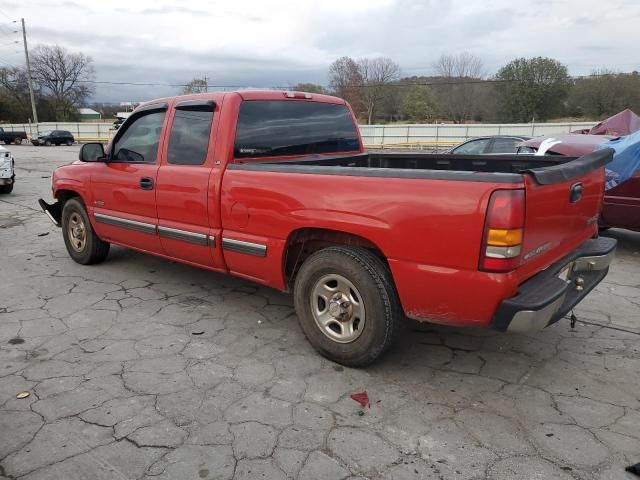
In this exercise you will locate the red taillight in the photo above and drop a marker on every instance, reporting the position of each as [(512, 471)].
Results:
[(503, 231)]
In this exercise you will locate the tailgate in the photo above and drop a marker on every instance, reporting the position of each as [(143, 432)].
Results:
[(562, 207)]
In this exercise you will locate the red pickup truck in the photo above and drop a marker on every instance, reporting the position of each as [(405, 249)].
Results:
[(275, 187)]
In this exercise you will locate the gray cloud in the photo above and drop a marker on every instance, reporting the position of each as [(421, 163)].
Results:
[(261, 44)]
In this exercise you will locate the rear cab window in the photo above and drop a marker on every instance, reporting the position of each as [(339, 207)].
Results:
[(271, 128), (189, 139)]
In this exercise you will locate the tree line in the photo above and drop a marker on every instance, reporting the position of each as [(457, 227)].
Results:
[(523, 90), (59, 79), (460, 90)]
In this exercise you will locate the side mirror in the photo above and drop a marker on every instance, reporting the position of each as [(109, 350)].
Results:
[(91, 152)]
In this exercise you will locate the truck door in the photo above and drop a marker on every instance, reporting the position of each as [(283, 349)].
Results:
[(124, 187), (185, 196)]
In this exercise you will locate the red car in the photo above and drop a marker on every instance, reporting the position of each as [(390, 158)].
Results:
[(275, 187), (621, 206)]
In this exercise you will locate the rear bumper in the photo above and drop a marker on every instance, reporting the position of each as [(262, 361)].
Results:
[(546, 298), (6, 181)]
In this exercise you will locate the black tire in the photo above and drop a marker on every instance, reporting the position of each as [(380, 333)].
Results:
[(17, 141), (47, 143), (6, 188), (7, 142), (69, 143), (373, 282), (93, 249)]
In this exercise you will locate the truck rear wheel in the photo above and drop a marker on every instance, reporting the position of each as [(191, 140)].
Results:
[(82, 243), (17, 141), (347, 305)]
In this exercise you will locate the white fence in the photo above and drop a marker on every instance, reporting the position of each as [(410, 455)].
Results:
[(382, 136), (82, 131), (443, 135)]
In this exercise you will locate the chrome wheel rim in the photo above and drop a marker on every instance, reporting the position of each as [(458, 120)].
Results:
[(337, 308), (77, 232)]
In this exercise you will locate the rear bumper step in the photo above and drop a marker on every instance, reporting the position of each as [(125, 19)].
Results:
[(53, 212), (545, 298)]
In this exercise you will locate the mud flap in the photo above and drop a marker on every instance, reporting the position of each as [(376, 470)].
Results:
[(54, 212)]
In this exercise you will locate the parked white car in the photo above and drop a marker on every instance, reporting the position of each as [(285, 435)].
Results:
[(7, 173)]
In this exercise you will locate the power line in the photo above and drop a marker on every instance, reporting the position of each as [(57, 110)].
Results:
[(2, 12), (7, 63), (370, 85)]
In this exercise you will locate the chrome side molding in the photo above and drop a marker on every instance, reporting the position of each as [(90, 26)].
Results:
[(240, 246), (125, 223), (165, 232), (183, 235)]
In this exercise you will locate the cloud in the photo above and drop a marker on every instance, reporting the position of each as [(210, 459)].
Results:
[(260, 43), (173, 9)]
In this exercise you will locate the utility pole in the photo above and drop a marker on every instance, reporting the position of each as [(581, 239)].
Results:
[(26, 56), (206, 84)]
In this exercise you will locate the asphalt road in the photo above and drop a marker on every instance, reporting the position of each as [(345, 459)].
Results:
[(143, 368)]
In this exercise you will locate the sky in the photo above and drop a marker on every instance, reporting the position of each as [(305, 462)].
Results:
[(265, 43)]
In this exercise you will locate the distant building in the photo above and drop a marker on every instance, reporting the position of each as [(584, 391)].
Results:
[(89, 114)]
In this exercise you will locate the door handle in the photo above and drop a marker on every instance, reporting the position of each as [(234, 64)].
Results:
[(575, 194), (146, 183)]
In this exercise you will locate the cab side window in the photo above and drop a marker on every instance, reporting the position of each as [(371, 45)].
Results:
[(138, 143), (190, 132)]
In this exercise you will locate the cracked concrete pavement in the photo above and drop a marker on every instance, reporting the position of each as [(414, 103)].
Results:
[(123, 388)]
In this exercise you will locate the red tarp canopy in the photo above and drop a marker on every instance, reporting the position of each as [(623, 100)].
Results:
[(622, 123)]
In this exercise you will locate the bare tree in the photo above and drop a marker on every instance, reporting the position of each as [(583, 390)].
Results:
[(197, 85), (14, 94), (464, 65), (377, 74), (345, 80), (63, 74), (458, 93)]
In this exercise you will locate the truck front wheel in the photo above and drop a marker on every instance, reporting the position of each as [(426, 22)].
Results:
[(83, 245), (347, 305)]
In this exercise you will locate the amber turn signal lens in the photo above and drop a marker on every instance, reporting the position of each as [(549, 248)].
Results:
[(504, 238)]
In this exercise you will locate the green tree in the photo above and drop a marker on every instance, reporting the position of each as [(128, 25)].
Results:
[(309, 88), (418, 104), (604, 93), (533, 88), (197, 85)]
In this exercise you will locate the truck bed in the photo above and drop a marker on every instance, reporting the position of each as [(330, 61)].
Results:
[(545, 170)]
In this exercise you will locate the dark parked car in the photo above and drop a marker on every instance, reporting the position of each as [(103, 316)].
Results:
[(489, 145), (12, 137), (54, 137)]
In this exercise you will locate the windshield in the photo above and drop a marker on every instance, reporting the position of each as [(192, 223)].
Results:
[(275, 127)]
